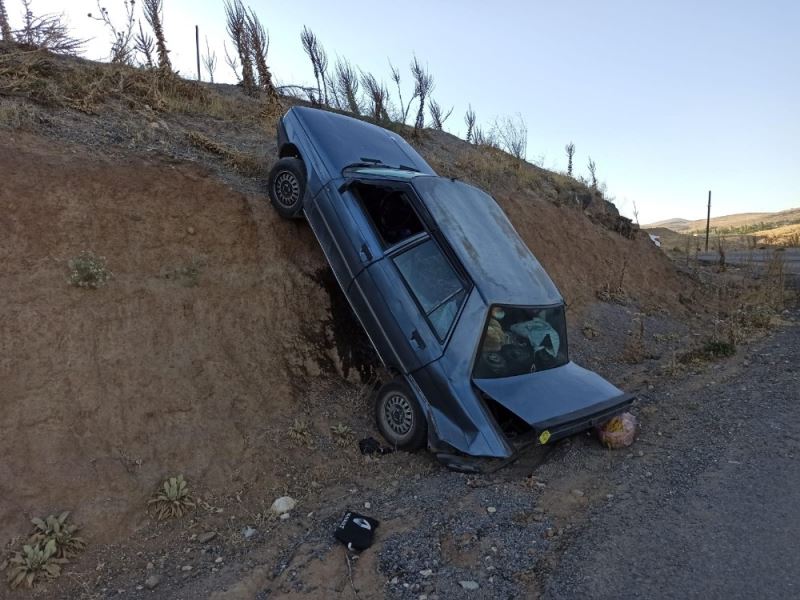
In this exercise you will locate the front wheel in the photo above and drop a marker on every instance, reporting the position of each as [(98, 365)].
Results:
[(287, 186), (399, 417)]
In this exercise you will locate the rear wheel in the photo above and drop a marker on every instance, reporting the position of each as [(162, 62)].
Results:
[(287, 187), (399, 417)]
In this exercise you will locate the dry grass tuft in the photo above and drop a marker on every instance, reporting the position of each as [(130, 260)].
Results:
[(247, 165), (54, 81)]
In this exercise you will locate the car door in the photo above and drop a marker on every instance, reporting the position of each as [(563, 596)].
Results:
[(418, 298)]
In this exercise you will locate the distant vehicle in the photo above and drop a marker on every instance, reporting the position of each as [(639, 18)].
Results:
[(655, 239), (456, 306)]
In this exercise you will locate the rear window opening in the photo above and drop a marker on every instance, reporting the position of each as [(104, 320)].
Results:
[(390, 211), (519, 340)]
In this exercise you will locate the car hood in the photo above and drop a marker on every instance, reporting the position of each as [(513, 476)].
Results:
[(555, 396)]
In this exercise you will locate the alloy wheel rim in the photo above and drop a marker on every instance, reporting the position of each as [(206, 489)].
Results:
[(398, 415), (287, 189)]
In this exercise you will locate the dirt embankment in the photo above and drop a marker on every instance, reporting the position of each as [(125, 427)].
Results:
[(187, 361)]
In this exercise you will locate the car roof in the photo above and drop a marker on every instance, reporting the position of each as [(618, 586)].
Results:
[(343, 141), (502, 267)]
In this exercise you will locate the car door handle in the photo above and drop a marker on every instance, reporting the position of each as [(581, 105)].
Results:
[(418, 339), (365, 253)]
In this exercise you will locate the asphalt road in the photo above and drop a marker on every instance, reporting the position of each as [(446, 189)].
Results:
[(758, 258), (721, 516)]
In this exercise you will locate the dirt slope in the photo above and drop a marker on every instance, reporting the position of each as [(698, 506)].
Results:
[(104, 391)]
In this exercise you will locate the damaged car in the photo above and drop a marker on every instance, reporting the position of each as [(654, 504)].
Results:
[(456, 306)]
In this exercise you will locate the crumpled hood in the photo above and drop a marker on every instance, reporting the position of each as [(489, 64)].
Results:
[(548, 398)]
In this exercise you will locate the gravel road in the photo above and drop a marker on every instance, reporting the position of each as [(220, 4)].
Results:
[(719, 517)]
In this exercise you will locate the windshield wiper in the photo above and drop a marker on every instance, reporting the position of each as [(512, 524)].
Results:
[(374, 162)]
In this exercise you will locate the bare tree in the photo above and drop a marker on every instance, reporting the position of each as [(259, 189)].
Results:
[(635, 212), (236, 16), (210, 61), (513, 135), (121, 49), (469, 119), (5, 28), (377, 97), (423, 86), (404, 108), (593, 172), (232, 62), (319, 62), (145, 45), (346, 85), (259, 47), (485, 138), (570, 149), (438, 116), (153, 12), (45, 31)]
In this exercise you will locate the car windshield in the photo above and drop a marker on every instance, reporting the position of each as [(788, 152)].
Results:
[(518, 340)]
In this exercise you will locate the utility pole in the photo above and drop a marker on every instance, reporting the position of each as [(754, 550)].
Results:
[(708, 219), (197, 46)]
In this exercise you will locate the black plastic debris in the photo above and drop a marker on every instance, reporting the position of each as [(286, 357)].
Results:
[(372, 446), (356, 531)]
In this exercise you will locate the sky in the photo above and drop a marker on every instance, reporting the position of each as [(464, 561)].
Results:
[(671, 99)]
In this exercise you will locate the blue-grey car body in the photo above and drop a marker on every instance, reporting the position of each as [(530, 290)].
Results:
[(491, 260)]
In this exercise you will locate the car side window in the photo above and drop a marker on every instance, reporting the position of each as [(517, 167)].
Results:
[(434, 283), (390, 211)]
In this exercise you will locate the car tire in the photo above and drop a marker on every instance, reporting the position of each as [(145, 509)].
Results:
[(399, 417), (287, 187)]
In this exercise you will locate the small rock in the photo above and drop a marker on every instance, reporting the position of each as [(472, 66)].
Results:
[(204, 538), (549, 532), (193, 537), (150, 566), (426, 572), (367, 505), (309, 515), (218, 560), (283, 505), (186, 568), (248, 532), (285, 516), (639, 453), (491, 510), (152, 581), (190, 230), (469, 585), (578, 493), (394, 580)]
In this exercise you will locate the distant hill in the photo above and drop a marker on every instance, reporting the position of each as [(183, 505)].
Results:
[(737, 223)]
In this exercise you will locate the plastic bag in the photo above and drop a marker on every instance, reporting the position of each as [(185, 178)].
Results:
[(617, 432)]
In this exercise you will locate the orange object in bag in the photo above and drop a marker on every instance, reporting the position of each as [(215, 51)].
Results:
[(618, 432)]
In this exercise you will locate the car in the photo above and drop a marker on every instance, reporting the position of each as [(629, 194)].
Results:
[(458, 309)]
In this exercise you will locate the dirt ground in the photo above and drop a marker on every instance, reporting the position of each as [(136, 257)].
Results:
[(221, 350)]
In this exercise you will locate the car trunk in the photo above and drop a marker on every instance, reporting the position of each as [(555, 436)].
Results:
[(561, 401)]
